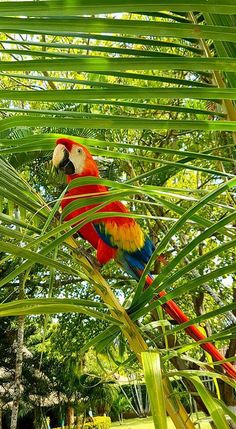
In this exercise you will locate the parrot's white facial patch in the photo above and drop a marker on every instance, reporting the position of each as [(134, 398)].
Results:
[(76, 155), (78, 158)]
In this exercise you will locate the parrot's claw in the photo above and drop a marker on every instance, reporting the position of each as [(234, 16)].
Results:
[(88, 255)]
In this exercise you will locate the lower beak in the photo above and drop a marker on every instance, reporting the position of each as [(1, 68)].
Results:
[(68, 168)]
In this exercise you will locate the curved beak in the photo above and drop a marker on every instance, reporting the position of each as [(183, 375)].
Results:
[(61, 160)]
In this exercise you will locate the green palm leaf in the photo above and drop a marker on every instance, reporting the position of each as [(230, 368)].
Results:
[(155, 83)]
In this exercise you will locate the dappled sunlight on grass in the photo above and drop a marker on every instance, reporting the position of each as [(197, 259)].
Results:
[(147, 423)]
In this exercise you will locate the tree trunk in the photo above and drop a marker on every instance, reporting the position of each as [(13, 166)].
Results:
[(138, 391), (0, 416), (147, 404), (70, 416), (18, 372)]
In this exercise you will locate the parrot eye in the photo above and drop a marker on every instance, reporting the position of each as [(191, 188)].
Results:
[(79, 150)]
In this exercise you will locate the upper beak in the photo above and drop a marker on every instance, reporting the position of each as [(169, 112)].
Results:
[(61, 160)]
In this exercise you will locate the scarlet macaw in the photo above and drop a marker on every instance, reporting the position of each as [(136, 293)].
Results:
[(119, 238)]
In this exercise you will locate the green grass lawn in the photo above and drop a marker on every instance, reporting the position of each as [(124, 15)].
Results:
[(148, 424)]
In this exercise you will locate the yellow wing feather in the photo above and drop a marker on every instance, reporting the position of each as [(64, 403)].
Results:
[(128, 236)]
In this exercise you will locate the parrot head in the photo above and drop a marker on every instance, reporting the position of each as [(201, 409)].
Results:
[(73, 159)]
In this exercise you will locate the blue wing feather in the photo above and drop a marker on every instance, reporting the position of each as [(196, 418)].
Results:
[(134, 262), (100, 228)]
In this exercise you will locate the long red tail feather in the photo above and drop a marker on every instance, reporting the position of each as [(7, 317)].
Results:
[(177, 314)]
